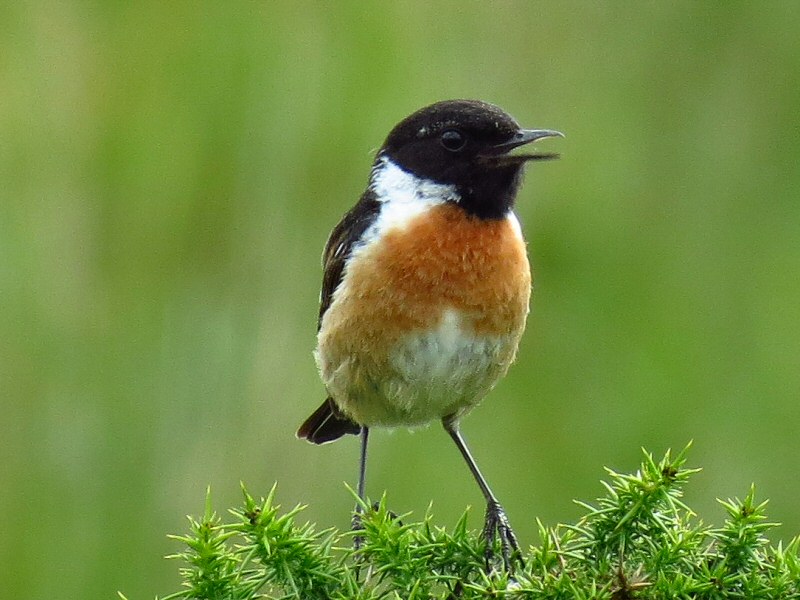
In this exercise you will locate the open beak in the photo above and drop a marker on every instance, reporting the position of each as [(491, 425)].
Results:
[(526, 136), (523, 137)]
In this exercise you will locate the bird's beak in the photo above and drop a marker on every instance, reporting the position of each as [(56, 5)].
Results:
[(526, 136)]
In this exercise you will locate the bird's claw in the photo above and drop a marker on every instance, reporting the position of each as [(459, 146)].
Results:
[(357, 523), (497, 526), (357, 526)]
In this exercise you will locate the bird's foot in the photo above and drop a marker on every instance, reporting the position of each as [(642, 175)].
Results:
[(497, 526), (357, 526), (357, 522)]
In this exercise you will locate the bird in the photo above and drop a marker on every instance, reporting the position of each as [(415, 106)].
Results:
[(426, 286)]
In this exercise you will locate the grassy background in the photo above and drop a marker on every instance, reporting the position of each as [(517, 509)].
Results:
[(169, 173)]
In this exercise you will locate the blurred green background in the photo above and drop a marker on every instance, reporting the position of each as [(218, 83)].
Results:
[(169, 173)]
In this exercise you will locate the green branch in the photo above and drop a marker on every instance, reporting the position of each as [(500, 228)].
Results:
[(638, 541)]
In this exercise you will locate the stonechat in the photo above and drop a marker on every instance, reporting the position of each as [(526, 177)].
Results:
[(426, 285)]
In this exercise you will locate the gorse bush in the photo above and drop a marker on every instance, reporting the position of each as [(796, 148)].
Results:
[(637, 541)]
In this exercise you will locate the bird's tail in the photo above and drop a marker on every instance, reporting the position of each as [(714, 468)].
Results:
[(327, 424)]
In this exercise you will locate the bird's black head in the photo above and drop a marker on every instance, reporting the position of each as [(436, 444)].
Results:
[(466, 144)]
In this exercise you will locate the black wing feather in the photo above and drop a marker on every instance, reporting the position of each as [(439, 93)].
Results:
[(340, 244), (328, 423)]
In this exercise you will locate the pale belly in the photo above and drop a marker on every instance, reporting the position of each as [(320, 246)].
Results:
[(425, 376)]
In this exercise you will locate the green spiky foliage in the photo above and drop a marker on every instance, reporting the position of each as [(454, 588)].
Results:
[(639, 540)]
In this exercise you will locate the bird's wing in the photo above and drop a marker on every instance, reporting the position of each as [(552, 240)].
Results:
[(347, 233)]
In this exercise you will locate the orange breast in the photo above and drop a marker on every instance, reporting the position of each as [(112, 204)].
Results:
[(442, 259)]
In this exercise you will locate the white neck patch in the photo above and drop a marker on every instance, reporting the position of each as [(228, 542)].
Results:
[(403, 197), (393, 184)]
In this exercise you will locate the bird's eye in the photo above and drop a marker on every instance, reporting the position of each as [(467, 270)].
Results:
[(453, 140)]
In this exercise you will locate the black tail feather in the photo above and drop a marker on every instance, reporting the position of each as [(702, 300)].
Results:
[(326, 424)]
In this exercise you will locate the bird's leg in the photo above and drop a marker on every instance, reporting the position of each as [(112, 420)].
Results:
[(362, 480), (496, 524)]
